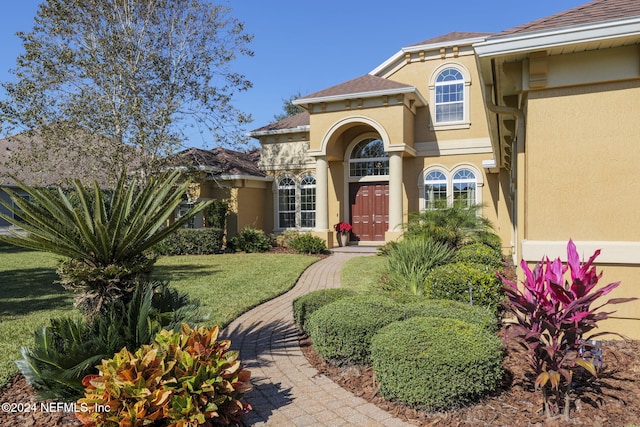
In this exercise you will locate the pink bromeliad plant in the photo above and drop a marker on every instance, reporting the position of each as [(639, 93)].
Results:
[(551, 317)]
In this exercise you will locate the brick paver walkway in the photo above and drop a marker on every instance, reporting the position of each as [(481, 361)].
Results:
[(287, 390)]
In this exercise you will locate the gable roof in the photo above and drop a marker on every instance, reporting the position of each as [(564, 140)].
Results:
[(221, 161), (450, 37), (589, 13)]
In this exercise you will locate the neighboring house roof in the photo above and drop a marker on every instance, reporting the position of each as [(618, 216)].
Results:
[(221, 161), (451, 37), (595, 11)]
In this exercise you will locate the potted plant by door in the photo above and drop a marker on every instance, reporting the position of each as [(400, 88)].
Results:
[(343, 229)]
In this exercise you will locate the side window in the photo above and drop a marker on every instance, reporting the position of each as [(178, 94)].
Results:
[(464, 188), (308, 202), (286, 203), (182, 210), (435, 190)]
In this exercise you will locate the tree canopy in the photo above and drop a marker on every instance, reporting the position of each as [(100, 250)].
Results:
[(140, 73), (289, 109)]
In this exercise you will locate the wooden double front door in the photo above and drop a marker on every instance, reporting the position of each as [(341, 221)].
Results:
[(369, 210)]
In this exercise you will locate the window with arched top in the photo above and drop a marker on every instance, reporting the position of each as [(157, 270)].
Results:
[(449, 89), (308, 202), (435, 190), (464, 188), (286, 202), (369, 158)]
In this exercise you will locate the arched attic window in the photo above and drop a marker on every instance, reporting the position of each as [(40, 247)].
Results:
[(369, 158)]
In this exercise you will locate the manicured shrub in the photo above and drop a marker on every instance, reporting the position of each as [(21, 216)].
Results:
[(308, 244), (342, 330), (479, 253), (434, 363), (250, 240), (69, 348), (490, 239), (470, 283), (192, 241), (284, 239), (419, 306), (187, 379), (410, 260), (306, 305)]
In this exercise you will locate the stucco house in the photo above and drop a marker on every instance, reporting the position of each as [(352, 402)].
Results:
[(538, 123)]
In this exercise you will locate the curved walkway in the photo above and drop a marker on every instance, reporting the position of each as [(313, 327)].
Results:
[(287, 390)]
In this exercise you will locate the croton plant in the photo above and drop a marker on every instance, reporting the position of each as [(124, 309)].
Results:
[(181, 379), (553, 318)]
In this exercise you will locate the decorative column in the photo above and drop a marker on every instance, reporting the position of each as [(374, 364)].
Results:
[(395, 192), (322, 194)]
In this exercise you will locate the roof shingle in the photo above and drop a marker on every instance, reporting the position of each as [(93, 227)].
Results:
[(451, 37), (589, 13), (363, 84), (223, 161)]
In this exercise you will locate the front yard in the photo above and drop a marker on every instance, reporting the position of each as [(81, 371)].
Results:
[(226, 285)]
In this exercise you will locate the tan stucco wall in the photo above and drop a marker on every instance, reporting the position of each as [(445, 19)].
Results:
[(581, 154)]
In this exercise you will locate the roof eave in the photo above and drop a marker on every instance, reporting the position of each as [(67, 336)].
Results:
[(370, 94), (399, 56), (257, 134), (540, 40)]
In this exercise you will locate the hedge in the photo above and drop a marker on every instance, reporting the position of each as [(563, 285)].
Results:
[(191, 241), (453, 281), (306, 305), (479, 253), (436, 364), (342, 330)]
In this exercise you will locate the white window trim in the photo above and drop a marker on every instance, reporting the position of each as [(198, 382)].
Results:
[(449, 173), (298, 200), (465, 123)]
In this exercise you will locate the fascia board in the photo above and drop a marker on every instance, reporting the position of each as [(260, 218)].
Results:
[(256, 134), (539, 40), (371, 94), (399, 56)]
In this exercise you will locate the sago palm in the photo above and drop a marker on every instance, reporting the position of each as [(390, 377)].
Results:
[(453, 225), (103, 236)]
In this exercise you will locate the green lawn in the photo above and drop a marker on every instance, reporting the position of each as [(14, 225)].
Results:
[(226, 285), (363, 274)]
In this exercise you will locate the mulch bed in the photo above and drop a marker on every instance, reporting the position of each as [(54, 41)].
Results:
[(613, 399)]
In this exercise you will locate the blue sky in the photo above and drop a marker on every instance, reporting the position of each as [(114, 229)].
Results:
[(305, 46)]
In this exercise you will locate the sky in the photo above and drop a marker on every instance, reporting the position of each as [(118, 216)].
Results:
[(305, 46)]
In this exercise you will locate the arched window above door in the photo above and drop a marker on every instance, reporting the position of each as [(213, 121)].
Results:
[(368, 158)]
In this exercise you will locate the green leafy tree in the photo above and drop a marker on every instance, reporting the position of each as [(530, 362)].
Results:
[(289, 109), (138, 72), (104, 237), (453, 226)]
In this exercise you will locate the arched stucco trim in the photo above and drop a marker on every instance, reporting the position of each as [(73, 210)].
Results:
[(340, 124)]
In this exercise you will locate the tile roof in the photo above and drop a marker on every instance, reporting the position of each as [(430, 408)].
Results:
[(451, 37), (366, 83), (589, 13), (223, 161), (300, 119)]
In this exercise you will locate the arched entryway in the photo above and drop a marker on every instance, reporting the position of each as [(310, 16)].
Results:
[(368, 187)]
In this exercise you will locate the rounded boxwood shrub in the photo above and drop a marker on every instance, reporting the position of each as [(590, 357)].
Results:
[(479, 253), (342, 330), (490, 239), (308, 244), (449, 309), (191, 241), (454, 281), (306, 305), (435, 363)]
